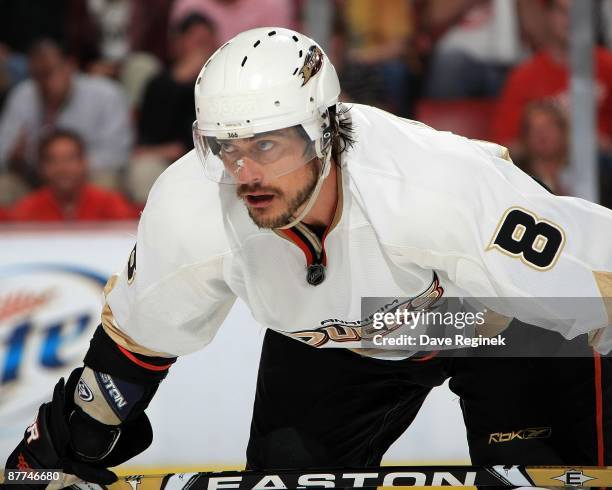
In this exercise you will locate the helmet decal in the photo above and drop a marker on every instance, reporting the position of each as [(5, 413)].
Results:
[(312, 64)]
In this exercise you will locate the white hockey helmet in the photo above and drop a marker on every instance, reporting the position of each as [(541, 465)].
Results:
[(263, 80)]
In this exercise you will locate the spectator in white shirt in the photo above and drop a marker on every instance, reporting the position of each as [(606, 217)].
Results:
[(57, 96)]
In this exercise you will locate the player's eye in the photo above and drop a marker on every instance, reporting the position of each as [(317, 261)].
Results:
[(227, 148), (265, 145)]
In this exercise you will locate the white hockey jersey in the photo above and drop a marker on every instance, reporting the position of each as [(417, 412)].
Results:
[(420, 212)]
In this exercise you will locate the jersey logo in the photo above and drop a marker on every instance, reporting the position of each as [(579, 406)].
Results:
[(338, 331), (131, 267), (536, 241), (312, 64)]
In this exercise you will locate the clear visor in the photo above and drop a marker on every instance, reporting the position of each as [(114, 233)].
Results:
[(266, 156)]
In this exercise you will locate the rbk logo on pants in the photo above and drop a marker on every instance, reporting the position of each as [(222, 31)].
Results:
[(530, 433)]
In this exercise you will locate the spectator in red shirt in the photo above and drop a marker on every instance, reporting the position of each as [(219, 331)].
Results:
[(67, 196), (545, 76)]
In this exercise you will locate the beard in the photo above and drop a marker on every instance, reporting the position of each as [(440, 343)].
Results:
[(292, 204)]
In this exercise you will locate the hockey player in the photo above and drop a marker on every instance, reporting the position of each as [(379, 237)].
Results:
[(301, 206)]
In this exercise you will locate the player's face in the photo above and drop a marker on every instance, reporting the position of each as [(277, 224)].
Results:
[(272, 154), (272, 200), (272, 206)]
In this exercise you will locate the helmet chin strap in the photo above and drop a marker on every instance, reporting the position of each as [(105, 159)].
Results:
[(313, 195)]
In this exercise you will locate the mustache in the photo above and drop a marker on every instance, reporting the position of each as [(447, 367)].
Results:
[(244, 189)]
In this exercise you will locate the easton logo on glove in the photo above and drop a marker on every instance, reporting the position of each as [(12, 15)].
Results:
[(112, 392), (84, 391)]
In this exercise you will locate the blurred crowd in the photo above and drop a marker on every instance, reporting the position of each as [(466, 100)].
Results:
[(96, 96)]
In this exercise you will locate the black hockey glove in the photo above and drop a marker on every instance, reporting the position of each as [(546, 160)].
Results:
[(65, 437)]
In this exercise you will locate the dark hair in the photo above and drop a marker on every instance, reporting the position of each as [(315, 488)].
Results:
[(342, 129), (43, 43), (190, 20), (549, 4), (60, 134)]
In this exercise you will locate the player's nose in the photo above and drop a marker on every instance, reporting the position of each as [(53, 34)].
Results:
[(248, 171)]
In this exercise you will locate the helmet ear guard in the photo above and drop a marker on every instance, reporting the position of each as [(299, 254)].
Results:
[(323, 145)]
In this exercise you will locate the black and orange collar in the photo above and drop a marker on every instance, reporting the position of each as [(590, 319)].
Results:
[(310, 244)]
